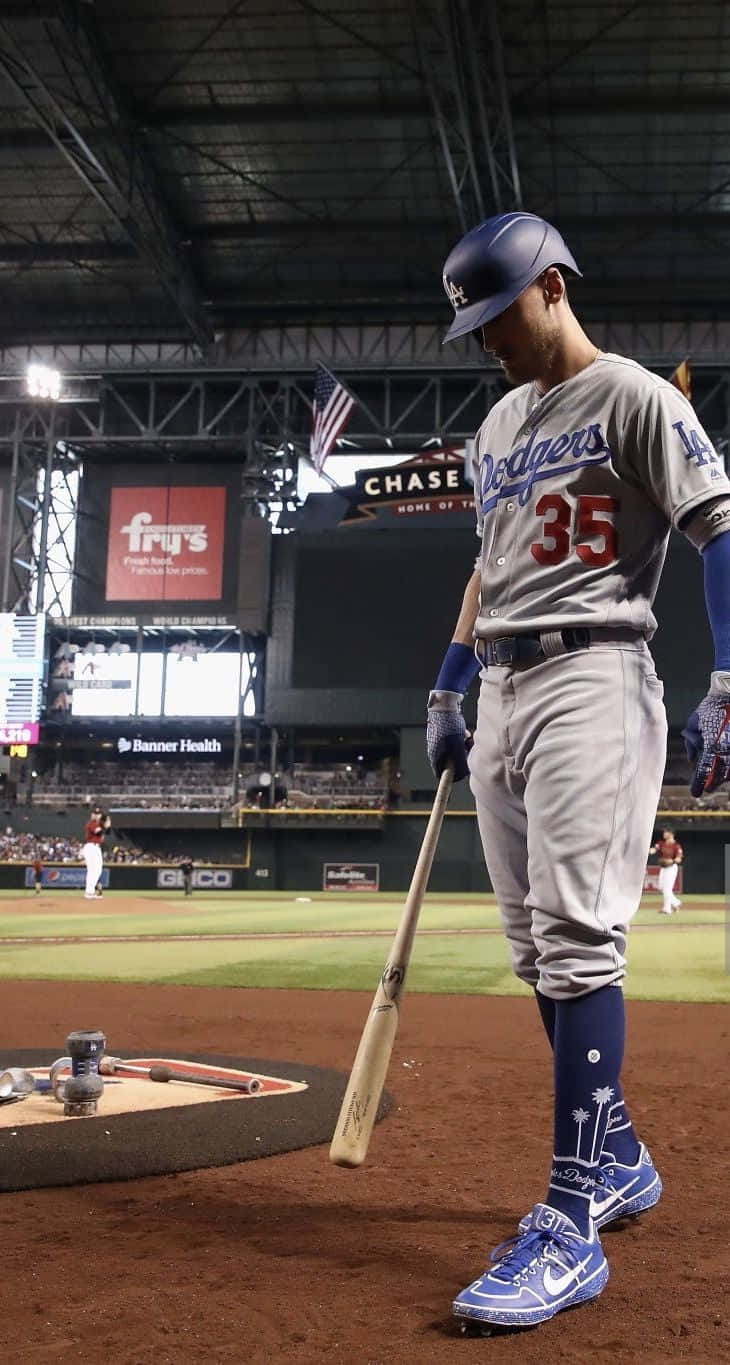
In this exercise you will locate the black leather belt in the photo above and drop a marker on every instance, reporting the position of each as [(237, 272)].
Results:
[(522, 649)]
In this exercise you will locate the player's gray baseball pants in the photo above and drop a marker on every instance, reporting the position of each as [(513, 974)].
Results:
[(566, 770)]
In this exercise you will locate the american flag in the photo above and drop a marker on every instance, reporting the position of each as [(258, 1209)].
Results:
[(330, 414)]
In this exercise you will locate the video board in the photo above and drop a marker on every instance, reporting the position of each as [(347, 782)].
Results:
[(157, 538)]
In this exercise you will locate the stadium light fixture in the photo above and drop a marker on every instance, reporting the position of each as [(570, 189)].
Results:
[(43, 382)]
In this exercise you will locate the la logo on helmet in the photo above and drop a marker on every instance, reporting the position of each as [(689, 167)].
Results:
[(455, 293)]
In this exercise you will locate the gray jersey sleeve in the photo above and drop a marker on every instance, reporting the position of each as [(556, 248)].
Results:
[(667, 450)]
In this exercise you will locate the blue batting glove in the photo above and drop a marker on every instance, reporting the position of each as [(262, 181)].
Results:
[(707, 737), (447, 738)]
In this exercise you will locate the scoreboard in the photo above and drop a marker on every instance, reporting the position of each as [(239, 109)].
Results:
[(21, 670)]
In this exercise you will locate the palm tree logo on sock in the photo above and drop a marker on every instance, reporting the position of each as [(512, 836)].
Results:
[(601, 1098), (580, 1116)]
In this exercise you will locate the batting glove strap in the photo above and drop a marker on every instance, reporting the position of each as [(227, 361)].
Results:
[(713, 758), (439, 700), (447, 741), (720, 683)]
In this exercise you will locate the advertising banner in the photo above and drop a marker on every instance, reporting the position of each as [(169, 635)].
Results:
[(64, 878), (185, 746), (204, 878), (165, 544), (351, 877), (157, 541), (651, 879), (20, 734)]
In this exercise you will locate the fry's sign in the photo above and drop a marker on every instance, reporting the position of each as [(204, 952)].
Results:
[(165, 544)]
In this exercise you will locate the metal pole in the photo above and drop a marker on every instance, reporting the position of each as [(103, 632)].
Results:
[(461, 109), (438, 116), (273, 760), (10, 518), (140, 638), (476, 79), (45, 511), (237, 728), (498, 57)]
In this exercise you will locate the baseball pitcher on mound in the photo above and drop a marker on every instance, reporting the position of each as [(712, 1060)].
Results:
[(581, 471), (95, 830)]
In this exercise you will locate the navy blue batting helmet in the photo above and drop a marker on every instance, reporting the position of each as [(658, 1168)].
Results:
[(494, 262)]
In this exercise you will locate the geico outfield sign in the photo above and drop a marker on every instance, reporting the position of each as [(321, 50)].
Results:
[(204, 878)]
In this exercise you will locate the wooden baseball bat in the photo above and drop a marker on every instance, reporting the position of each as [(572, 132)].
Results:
[(357, 1115)]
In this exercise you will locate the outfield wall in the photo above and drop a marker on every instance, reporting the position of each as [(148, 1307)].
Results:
[(286, 859)]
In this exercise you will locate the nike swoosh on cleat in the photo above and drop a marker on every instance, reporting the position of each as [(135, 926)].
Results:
[(598, 1206), (556, 1285)]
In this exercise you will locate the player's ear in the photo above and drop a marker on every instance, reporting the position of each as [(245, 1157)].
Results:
[(553, 285)]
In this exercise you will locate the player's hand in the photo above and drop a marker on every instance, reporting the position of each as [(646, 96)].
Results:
[(447, 738), (707, 740)]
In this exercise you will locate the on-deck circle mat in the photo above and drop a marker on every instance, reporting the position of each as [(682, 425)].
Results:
[(146, 1128)]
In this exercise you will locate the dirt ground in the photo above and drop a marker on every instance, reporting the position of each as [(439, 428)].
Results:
[(292, 1259)]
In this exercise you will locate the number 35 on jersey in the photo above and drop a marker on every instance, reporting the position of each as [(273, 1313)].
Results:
[(586, 528)]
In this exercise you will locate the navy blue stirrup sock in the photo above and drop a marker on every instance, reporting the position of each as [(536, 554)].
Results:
[(588, 1052), (620, 1141)]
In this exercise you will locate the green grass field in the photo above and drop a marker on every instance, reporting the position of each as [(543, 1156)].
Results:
[(328, 942)]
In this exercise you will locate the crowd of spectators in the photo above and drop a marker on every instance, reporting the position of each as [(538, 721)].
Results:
[(146, 784), (155, 785), (59, 848), (339, 786)]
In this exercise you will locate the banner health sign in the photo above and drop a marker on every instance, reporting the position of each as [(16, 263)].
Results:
[(186, 746), (351, 876), (64, 878)]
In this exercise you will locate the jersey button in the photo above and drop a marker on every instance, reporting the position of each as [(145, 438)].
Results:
[(501, 559), (510, 506)]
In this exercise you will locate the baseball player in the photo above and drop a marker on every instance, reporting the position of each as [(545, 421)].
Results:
[(94, 832), (670, 855), (580, 472), (37, 875), (187, 867)]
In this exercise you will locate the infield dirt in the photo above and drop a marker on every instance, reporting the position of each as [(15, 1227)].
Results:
[(292, 1259)]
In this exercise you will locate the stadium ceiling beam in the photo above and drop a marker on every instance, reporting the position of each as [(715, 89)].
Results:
[(120, 174), (263, 350), (582, 227), (470, 103), (570, 103), (258, 422)]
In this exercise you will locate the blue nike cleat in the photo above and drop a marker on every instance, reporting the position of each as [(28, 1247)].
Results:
[(623, 1190), (620, 1191), (536, 1274)]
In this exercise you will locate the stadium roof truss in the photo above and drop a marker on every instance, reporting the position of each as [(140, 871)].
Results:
[(201, 203), (171, 174)]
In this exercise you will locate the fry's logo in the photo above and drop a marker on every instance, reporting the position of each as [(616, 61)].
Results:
[(144, 535)]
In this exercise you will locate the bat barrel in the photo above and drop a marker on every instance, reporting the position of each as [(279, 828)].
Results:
[(360, 1103)]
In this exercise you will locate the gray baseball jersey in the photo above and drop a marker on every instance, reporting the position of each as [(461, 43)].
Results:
[(576, 491)]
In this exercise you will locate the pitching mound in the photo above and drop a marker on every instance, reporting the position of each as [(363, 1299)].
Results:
[(146, 1128)]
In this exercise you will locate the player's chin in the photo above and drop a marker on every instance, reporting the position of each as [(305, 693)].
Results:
[(513, 371)]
